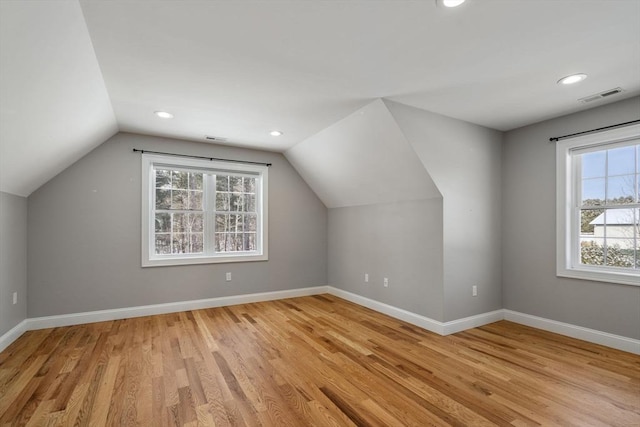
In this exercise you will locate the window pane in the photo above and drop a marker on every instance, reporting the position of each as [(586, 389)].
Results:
[(250, 242), (163, 222), (163, 199), (238, 243), (179, 199), (591, 253), (620, 222), (195, 200), (621, 161), (221, 222), (235, 184), (251, 223), (196, 222), (235, 223), (163, 244), (222, 183), (179, 223), (593, 164), (618, 255), (195, 181), (250, 202), (593, 192), (179, 180), (249, 185), (590, 219), (237, 202), (621, 189), (187, 223), (220, 247), (163, 178), (195, 243), (180, 243), (222, 201)]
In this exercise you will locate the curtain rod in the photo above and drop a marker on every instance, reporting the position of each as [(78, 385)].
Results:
[(135, 150), (558, 138)]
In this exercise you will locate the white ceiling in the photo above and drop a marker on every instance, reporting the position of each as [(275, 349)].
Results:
[(54, 106), (238, 69)]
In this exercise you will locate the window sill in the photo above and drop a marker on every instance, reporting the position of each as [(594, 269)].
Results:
[(163, 262), (621, 278)]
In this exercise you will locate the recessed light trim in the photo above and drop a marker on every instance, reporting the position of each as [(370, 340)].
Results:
[(163, 114), (449, 3), (572, 79), (275, 133)]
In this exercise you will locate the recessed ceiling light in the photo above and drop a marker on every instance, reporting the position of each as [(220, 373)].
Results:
[(275, 133), (163, 114), (573, 78), (450, 3)]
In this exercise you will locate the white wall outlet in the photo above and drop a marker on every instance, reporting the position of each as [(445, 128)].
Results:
[(228, 277), (366, 277), (474, 291), (385, 282), (15, 298)]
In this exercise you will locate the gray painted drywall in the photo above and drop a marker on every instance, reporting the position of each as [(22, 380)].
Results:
[(401, 241), (463, 160), (84, 235), (529, 278), (363, 159), (13, 260), (385, 212)]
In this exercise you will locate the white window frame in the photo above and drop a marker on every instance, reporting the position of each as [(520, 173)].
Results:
[(150, 259), (568, 212)]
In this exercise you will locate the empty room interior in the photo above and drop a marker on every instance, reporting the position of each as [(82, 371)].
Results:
[(320, 213)]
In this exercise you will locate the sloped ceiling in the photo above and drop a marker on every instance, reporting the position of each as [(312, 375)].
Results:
[(361, 160), (54, 106), (239, 69)]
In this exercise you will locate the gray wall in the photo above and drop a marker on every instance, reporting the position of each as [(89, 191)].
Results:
[(401, 241), (463, 160), (529, 278), (385, 212), (13, 260), (84, 235)]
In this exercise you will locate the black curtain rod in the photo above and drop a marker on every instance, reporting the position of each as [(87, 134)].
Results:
[(135, 150), (558, 138)]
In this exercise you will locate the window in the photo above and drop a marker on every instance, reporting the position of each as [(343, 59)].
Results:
[(598, 206), (199, 211)]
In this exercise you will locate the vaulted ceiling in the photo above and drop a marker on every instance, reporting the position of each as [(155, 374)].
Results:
[(74, 73)]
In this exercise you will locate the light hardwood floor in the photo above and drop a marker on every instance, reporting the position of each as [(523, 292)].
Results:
[(311, 361)]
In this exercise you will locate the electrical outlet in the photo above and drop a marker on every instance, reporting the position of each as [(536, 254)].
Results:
[(15, 298), (385, 282), (474, 291), (228, 277), (366, 277)]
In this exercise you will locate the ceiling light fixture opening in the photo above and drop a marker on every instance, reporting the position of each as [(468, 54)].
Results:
[(572, 79), (163, 114), (275, 133), (449, 3)]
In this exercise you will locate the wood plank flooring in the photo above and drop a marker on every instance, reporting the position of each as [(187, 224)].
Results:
[(307, 361)]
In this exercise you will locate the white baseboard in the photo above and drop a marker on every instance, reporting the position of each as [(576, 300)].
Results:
[(591, 335), (13, 334), (442, 328), (389, 310), (172, 307), (470, 322), (445, 328)]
